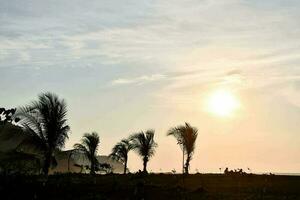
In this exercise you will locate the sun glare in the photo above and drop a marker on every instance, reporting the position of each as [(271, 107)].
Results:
[(223, 103)]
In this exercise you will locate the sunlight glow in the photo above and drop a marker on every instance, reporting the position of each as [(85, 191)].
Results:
[(223, 103)]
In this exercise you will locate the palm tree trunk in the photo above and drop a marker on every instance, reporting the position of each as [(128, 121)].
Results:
[(92, 167), (69, 158), (182, 159), (47, 162), (125, 166), (187, 164), (145, 160)]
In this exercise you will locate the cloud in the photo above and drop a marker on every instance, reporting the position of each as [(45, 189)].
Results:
[(138, 80), (142, 32), (191, 43), (292, 95), (234, 72)]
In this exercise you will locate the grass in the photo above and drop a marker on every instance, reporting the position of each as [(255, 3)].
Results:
[(152, 186)]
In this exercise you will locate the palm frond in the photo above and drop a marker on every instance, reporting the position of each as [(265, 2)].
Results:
[(120, 150), (143, 143), (186, 136), (44, 122), (89, 148)]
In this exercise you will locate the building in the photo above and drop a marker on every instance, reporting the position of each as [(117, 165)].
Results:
[(67, 161), (73, 162)]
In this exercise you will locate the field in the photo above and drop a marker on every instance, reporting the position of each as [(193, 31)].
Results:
[(153, 186)]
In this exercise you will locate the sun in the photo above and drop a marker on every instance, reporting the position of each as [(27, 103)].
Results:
[(223, 103)]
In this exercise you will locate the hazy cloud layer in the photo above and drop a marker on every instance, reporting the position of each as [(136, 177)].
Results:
[(138, 80)]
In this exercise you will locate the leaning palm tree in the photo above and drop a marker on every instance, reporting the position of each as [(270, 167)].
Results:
[(186, 136), (45, 126), (120, 152), (89, 148), (144, 145)]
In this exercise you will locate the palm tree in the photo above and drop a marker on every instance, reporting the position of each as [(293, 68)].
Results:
[(144, 144), (186, 136), (45, 124), (89, 147), (120, 152)]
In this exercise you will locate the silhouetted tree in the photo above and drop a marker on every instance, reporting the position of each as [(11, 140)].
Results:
[(89, 147), (106, 168), (120, 152), (45, 124), (186, 136), (144, 144), (15, 162), (6, 115)]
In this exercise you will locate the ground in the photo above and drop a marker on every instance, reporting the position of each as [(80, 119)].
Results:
[(152, 186)]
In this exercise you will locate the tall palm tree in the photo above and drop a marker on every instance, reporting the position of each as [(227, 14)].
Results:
[(89, 147), (144, 144), (45, 124), (186, 136), (120, 152)]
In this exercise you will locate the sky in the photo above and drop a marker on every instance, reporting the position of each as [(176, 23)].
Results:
[(127, 66)]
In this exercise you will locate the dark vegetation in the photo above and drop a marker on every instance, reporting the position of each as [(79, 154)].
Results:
[(7, 114), (151, 186)]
